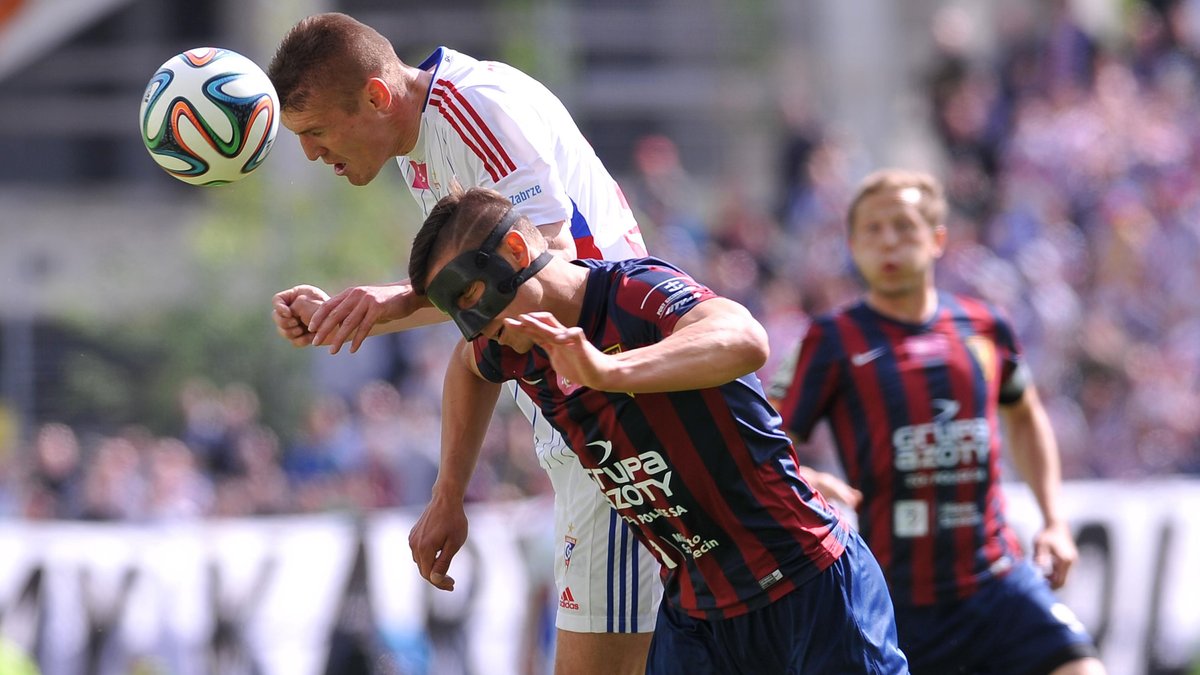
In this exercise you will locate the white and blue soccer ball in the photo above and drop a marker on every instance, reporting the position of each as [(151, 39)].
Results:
[(209, 116)]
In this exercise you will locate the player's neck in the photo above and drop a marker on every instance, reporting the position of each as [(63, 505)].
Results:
[(411, 106), (915, 306), (563, 291)]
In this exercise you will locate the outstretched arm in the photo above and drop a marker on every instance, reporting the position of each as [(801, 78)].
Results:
[(362, 311), (715, 343), (305, 315), (1035, 455), (467, 404)]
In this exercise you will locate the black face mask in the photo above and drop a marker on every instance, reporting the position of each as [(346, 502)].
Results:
[(500, 281)]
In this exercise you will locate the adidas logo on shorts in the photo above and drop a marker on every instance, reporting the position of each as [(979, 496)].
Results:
[(567, 600)]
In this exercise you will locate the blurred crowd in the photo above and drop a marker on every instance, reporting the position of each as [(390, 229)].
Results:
[(378, 450), (1071, 165), (1072, 162)]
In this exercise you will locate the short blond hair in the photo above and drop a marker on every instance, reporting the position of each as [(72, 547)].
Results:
[(932, 206)]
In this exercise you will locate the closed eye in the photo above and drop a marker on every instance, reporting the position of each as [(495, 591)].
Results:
[(471, 295)]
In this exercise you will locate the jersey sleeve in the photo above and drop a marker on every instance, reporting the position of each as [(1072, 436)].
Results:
[(652, 296), (808, 391), (1013, 372), (515, 147)]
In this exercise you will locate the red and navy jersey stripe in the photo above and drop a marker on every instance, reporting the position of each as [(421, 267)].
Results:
[(913, 411), (706, 477)]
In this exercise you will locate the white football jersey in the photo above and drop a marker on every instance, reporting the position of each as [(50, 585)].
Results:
[(487, 124)]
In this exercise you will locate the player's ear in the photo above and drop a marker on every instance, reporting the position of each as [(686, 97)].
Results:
[(939, 240), (518, 246), (379, 94)]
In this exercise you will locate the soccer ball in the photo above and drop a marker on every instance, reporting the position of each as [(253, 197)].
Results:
[(209, 116)]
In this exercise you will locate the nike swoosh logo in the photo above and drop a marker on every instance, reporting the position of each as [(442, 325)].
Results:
[(863, 358), (945, 409), (531, 382), (606, 446)]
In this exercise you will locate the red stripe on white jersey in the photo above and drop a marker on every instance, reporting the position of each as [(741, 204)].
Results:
[(471, 128), (448, 112)]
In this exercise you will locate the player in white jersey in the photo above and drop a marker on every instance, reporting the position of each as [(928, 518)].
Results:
[(455, 122)]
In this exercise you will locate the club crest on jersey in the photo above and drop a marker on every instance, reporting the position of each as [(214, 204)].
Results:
[(984, 352), (568, 548), (927, 349), (420, 179)]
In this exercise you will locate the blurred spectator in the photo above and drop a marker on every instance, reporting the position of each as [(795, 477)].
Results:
[(801, 137), (261, 474), (204, 423), (177, 489), (662, 193), (667, 200), (54, 487), (969, 113), (114, 486), (330, 442), (1067, 52)]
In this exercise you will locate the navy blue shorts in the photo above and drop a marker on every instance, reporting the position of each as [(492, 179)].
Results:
[(839, 622), (1012, 625)]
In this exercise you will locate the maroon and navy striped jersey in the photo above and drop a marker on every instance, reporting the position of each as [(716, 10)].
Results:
[(913, 411), (706, 477)]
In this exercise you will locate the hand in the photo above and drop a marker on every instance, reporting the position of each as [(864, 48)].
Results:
[(571, 355), (351, 314), (832, 487), (436, 537), (1054, 552), (292, 310)]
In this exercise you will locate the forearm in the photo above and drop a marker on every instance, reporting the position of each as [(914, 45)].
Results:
[(425, 316), (1035, 454), (415, 310), (723, 345), (467, 405)]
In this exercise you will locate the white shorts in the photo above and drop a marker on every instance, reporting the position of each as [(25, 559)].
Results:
[(607, 581)]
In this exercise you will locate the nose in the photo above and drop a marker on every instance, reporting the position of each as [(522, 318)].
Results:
[(889, 236), (494, 330)]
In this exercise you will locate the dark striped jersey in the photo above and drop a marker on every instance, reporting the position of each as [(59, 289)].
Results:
[(706, 477), (913, 411)]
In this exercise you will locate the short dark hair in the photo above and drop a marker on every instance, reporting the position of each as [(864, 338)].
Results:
[(329, 54), (459, 221)]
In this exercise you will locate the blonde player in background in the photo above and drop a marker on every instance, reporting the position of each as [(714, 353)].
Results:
[(913, 382)]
